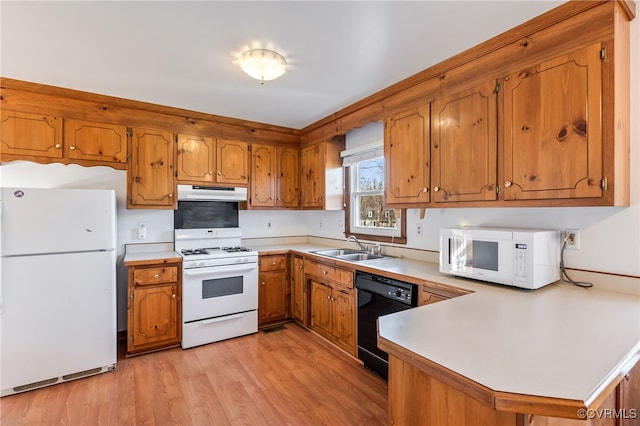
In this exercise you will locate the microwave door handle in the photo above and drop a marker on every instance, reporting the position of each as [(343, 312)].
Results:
[(219, 269)]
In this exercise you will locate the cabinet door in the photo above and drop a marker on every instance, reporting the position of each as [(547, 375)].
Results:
[(553, 128), (232, 162), (343, 306), (151, 179), (321, 307), (629, 400), (30, 134), (298, 291), (263, 175), (85, 140), (464, 145), (312, 176), (406, 152), (288, 187), (272, 296), (154, 316), (426, 298), (195, 159)]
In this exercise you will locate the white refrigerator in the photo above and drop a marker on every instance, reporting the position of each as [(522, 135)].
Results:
[(58, 287)]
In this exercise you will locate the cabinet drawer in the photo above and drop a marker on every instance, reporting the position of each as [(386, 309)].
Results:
[(273, 263), (155, 275), (337, 275)]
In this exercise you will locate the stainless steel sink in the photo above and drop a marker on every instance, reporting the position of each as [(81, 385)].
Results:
[(357, 257), (336, 252), (348, 254)]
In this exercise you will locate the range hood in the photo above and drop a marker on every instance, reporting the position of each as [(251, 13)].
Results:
[(210, 193)]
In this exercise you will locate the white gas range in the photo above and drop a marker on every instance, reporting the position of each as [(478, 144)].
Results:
[(219, 285)]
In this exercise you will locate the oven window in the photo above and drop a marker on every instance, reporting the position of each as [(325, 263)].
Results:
[(205, 214), (220, 287)]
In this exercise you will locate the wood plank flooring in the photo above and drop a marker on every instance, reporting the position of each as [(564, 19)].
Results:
[(286, 377)]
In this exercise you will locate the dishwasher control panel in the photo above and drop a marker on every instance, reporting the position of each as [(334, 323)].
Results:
[(399, 293)]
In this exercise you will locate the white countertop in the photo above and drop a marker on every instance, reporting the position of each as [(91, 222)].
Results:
[(560, 341)]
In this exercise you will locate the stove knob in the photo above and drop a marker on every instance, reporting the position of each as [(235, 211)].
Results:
[(398, 293)]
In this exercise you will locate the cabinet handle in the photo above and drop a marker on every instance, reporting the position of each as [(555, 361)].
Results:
[(58, 146), (72, 147), (507, 184), (436, 188), (156, 276)]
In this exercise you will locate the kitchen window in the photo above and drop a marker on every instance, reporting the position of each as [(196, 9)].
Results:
[(366, 215)]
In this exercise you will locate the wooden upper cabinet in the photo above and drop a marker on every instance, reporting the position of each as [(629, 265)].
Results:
[(195, 159), (232, 162), (407, 152), (275, 176), (288, 179), (553, 143), (150, 172), (86, 140), (30, 135), (263, 175), (321, 176), (464, 144)]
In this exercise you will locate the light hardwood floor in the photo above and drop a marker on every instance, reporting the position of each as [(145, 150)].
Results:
[(286, 377)]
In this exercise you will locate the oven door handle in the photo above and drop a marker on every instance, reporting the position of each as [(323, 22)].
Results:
[(216, 270), (220, 319)]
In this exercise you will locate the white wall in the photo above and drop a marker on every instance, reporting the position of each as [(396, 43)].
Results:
[(610, 236)]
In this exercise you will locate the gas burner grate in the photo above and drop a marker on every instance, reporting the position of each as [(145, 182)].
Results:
[(192, 252), (235, 249)]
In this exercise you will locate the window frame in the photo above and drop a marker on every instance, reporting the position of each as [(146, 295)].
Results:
[(401, 239)]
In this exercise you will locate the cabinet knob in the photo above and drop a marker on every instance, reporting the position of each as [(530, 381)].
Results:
[(273, 263), (210, 172), (436, 188), (170, 195), (173, 296), (325, 272), (156, 276), (58, 146), (626, 376), (263, 283), (507, 184), (219, 173), (72, 147), (300, 266), (425, 189), (270, 198), (328, 297)]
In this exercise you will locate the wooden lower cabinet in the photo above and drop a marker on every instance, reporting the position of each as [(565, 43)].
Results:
[(273, 292), (154, 306), (419, 398), (333, 314), (299, 293)]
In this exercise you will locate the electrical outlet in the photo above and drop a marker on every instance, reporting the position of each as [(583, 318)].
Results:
[(419, 230), (573, 238), (142, 230)]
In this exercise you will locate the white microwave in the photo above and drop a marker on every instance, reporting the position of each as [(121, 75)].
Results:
[(526, 258)]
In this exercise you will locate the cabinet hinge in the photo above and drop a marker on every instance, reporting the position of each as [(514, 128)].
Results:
[(603, 183), (497, 189), (131, 338), (132, 297), (249, 148), (175, 138), (128, 156), (603, 54), (497, 88), (129, 132)]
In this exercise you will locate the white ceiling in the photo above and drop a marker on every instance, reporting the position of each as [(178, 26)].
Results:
[(182, 53)]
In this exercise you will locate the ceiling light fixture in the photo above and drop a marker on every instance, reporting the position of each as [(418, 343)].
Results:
[(263, 64)]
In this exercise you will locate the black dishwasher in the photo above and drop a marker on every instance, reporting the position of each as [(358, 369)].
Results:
[(379, 296)]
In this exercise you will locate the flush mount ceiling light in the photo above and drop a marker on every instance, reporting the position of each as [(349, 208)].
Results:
[(263, 64)]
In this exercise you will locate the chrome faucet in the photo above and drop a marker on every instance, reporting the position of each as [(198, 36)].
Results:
[(355, 240)]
